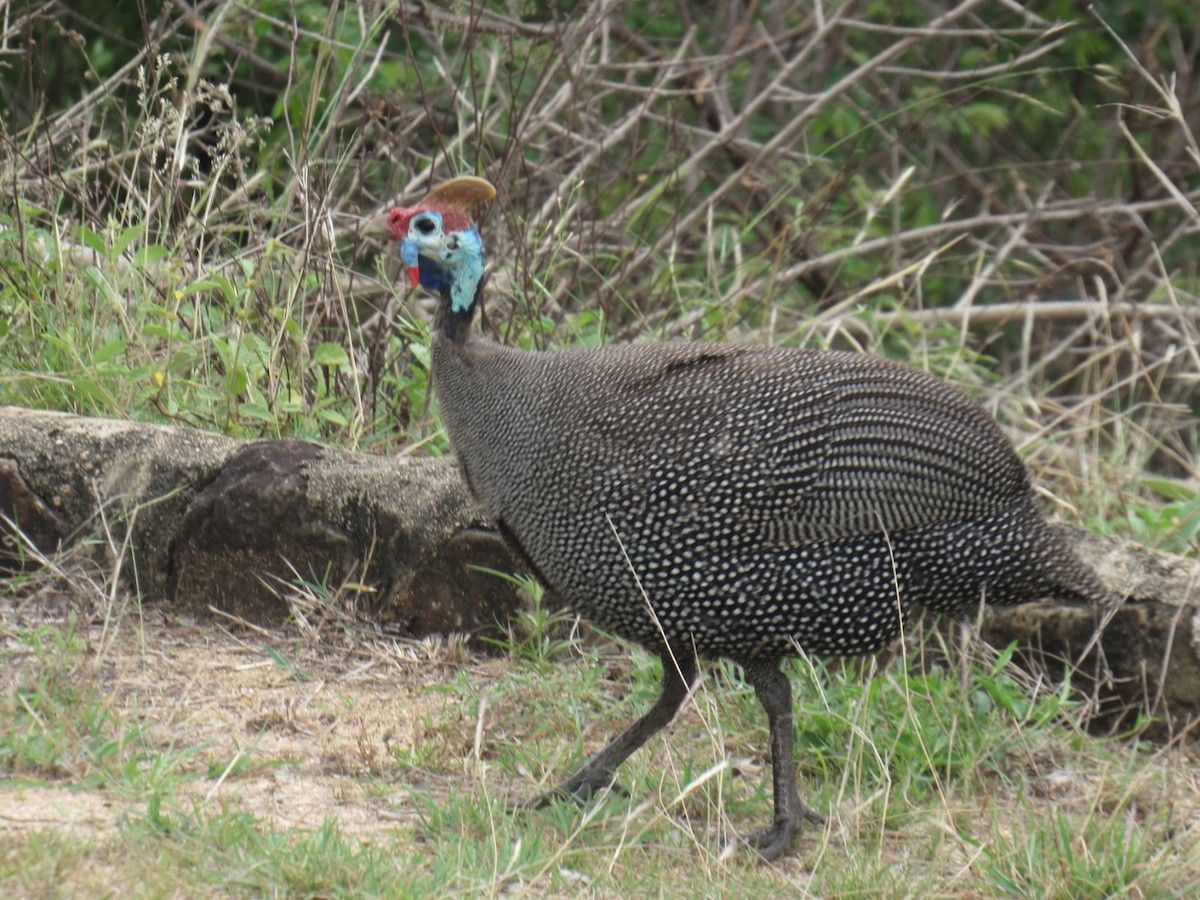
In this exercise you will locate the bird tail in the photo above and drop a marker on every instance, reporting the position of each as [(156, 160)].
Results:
[(1072, 581)]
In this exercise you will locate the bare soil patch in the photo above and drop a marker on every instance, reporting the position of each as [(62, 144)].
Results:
[(287, 729)]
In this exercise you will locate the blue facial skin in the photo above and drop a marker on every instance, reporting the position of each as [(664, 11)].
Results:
[(453, 261), (409, 250)]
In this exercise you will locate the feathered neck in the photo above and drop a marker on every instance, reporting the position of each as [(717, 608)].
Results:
[(450, 321)]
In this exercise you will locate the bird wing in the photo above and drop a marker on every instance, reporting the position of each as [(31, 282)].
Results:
[(796, 446), (861, 446)]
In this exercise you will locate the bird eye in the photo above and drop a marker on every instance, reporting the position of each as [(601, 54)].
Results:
[(425, 224)]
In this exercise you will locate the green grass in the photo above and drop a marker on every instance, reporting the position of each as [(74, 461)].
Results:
[(947, 774), (56, 723)]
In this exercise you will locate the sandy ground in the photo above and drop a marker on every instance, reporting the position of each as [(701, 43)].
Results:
[(298, 723)]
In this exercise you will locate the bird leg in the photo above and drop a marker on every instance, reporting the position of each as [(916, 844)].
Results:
[(774, 692), (679, 672)]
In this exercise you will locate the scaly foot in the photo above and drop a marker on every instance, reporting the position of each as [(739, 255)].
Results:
[(771, 843)]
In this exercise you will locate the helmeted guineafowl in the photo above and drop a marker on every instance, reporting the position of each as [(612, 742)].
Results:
[(721, 500)]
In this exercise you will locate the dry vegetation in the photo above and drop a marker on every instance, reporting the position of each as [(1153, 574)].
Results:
[(1005, 196)]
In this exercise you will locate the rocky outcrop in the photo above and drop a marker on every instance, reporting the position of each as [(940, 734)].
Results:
[(201, 521)]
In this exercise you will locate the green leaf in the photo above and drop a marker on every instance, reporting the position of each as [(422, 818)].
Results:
[(149, 254), (257, 411), (219, 282), (420, 353), (237, 380), (91, 240), (333, 417), (331, 355), (109, 351), (128, 236), (985, 118), (57, 343)]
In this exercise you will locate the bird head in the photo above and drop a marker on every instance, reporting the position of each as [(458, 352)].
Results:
[(440, 244)]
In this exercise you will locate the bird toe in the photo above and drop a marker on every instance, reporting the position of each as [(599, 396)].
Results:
[(773, 842), (578, 792), (770, 843)]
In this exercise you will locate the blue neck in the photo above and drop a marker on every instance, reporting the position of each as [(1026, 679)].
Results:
[(468, 251)]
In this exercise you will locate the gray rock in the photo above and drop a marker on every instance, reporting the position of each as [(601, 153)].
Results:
[(201, 520)]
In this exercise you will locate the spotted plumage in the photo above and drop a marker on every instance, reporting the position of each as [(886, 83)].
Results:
[(728, 500)]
